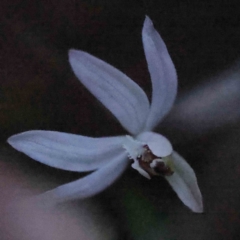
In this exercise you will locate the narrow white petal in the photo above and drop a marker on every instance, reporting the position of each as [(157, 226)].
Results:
[(117, 92), (91, 184), (184, 183), (67, 151), (162, 72)]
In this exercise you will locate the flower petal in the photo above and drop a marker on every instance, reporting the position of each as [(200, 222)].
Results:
[(158, 144), (184, 183), (163, 74), (91, 184), (117, 92), (67, 151)]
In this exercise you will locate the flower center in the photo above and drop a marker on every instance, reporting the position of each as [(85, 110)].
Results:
[(144, 161), (153, 164)]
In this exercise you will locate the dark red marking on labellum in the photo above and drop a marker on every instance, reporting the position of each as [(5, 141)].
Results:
[(161, 168)]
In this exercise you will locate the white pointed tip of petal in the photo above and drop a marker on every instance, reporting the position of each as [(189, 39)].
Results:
[(199, 209), (192, 198), (147, 21), (184, 183), (11, 141), (76, 57), (147, 26), (72, 52)]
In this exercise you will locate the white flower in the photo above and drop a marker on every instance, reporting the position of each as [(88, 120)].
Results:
[(151, 153)]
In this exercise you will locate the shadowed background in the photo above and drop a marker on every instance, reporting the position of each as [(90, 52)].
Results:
[(39, 91)]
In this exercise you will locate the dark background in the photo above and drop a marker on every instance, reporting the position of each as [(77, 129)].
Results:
[(39, 91)]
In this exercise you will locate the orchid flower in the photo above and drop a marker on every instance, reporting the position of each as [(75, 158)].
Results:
[(151, 153)]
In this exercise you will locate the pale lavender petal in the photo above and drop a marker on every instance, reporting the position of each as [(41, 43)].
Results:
[(117, 92), (184, 183), (158, 144), (67, 151), (162, 72), (91, 184)]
